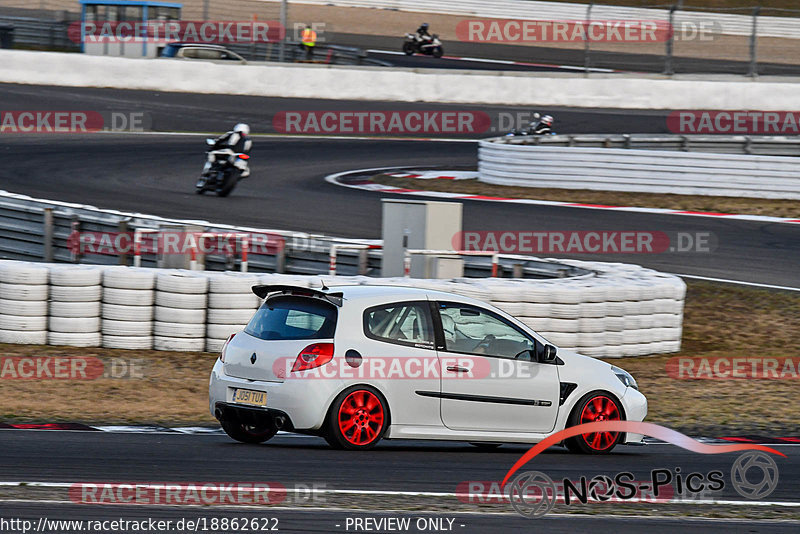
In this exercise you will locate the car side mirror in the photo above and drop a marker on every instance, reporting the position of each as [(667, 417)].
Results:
[(526, 356), (546, 353)]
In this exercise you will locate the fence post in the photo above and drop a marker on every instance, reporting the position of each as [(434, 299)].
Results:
[(47, 254), (668, 68), (754, 44), (122, 228), (280, 258), (363, 258), (75, 228), (586, 40), (282, 44)]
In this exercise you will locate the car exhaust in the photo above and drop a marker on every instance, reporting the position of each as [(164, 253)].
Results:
[(280, 421), (218, 414)]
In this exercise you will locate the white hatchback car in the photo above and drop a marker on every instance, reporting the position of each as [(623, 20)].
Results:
[(355, 364)]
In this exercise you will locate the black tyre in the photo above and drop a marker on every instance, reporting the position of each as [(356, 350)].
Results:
[(593, 407), (357, 419), (485, 446), (247, 433), (226, 183), (438, 52), (408, 49)]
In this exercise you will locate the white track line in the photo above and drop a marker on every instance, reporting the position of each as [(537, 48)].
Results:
[(334, 179), (388, 493), (737, 282)]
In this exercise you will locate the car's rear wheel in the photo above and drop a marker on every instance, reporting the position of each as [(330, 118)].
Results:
[(248, 433), (357, 419), (594, 407)]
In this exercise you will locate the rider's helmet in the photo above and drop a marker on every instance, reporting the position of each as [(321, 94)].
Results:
[(547, 119), (242, 128), (424, 26)]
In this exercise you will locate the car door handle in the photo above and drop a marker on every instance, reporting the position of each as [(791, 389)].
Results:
[(457, 369)]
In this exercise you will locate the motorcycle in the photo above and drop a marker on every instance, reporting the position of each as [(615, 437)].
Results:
[(429, 47), (533, 129), (222, 174)]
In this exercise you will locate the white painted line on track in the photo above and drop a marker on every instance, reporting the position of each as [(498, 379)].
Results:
[(390, 493), (381, 188), (737, 282), (500, 61), (298, 136)]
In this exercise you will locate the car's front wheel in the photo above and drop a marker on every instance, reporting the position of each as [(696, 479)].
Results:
[(248, 433), (357, 419), (594, 407)]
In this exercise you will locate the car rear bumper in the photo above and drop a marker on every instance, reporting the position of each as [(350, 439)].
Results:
[(305, 407)]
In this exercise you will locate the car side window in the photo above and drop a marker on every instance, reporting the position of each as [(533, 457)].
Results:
[(472, 330), (405, 323)]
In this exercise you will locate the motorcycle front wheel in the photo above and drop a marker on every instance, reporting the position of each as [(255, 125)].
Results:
[(438, 52), (408, 49)]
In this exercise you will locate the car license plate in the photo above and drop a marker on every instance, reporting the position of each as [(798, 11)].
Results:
[(248, 396)]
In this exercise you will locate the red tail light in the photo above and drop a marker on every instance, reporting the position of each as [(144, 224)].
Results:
[(244, 156), (313, 356), (225, 346)]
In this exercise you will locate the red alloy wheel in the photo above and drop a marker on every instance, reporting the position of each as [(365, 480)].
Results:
[(361, 417), (600, 408)]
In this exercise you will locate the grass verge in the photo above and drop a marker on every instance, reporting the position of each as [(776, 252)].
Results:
[(750, 206), (720, 320)]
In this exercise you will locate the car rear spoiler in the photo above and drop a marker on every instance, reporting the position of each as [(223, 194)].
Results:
[(265, 290)]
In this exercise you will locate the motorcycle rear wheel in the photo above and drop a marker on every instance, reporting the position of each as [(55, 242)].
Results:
[(227, 184), (408, 49)]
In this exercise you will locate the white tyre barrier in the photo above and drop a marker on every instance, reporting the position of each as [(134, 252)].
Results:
[(75, 339), (21, 337), (615, 310), (214, 345), (127, 342), (76, 294), (188, 282), (76, 275), (179, 344), (180, 300), (222, 331), (221, 316), (23, 291), (83, 325), (247, 301), (23, 323), (129, 278), (182, 330), (180, 315), (28, 308), (127, 328), (23, 273), (128, 297), (74, 309), (232, 283), (119, 312)]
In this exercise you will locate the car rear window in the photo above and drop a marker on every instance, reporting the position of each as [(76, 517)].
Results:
[(283, 318)]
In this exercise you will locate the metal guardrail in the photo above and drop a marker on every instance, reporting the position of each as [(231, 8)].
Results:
[(53, 35), (39, 230), (719, 144), (509, 161), (40, 33)]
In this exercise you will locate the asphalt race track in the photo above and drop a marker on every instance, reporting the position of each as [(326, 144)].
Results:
[(69, 457), (152, 173), (541, 55)]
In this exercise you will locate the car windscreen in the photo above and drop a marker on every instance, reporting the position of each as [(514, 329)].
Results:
[(289, 317)]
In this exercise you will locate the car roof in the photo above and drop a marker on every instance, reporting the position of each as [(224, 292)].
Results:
[(198, 45), (374, 294)]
